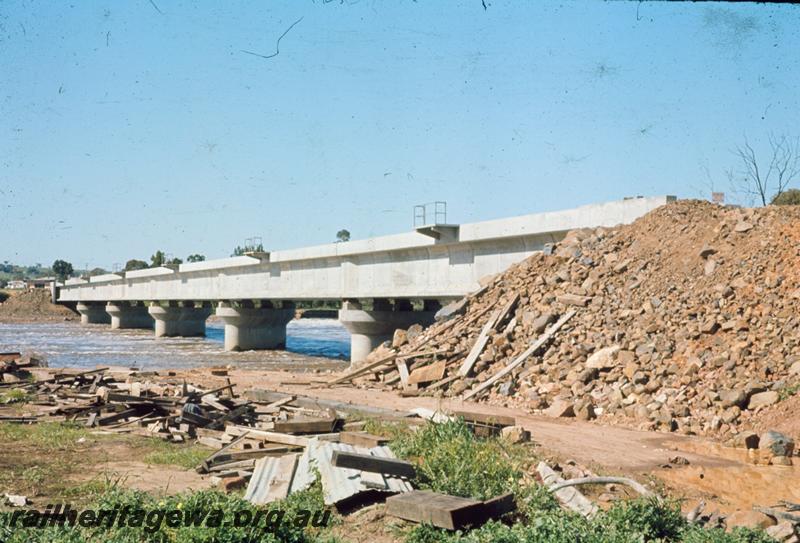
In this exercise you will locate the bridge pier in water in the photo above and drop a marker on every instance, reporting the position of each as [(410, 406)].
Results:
[(93, 313), (183, 319), (251, 328), (129, 315), (368, 329)]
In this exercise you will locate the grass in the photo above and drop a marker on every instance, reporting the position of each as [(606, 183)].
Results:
[(47, 458), (15, 395), (787, 392), (44, 436), (298, 510), (186, 456), (450, 459)]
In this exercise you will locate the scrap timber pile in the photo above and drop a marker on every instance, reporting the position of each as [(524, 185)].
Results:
[(686, 320), (272, 443), (119, 398)]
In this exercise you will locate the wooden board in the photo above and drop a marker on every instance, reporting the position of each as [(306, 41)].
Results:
[(373, 464), (477, 349), (483, 418), (273, 437), (402, 370), (305, 426), (426, 374), (441, 510), (363, 369), (362, 439)]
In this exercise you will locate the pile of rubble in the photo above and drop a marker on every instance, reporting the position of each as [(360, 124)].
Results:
[(687, 320)]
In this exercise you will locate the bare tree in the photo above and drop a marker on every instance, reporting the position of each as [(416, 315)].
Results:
[(766, 183)]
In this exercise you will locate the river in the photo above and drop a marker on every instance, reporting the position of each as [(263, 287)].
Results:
[(310, 344)]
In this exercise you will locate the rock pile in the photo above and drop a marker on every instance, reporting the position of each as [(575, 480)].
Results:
[(687, 320)]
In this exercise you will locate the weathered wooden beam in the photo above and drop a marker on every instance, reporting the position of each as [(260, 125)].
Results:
[(483, 418), (305, 426), (362, 439), (373, 464), (440, 510), (273, 437)]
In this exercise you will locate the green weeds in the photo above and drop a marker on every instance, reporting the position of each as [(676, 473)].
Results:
[(165, 453)]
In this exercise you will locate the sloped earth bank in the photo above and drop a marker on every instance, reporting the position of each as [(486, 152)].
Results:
[(687, 320), (720, 475), (33, 304)]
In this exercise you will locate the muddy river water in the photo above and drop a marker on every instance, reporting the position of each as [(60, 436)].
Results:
[(310, 343)]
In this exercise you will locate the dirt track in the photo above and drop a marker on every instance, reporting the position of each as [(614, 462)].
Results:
[(719, 475)]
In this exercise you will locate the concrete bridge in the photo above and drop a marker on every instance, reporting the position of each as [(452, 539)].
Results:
[(375, 279)]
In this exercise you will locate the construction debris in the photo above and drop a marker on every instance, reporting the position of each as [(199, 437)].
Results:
[(365, 475), (15, 500), (682, 321), (569, 496), (448, 512)]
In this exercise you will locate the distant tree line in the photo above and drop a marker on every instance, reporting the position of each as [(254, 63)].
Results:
[(160, 258)]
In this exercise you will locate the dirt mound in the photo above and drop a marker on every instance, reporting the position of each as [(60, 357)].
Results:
[(686, 320), (33, 304)]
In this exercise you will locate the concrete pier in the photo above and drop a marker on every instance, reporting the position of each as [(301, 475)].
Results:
[(93, 313), (128, 315), (179, 319), (368, 329), (252, 328)]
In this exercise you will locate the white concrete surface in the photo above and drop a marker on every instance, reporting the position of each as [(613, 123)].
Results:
[(410, 265)]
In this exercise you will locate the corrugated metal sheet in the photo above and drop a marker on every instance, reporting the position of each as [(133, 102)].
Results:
[(341, 483)]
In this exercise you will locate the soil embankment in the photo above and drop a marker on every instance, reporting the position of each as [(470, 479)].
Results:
[(33, 305)]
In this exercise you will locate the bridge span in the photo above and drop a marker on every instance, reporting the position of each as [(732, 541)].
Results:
[(375, 279)]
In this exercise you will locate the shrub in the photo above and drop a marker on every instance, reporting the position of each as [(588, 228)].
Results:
[(789, 197), (451, 460)]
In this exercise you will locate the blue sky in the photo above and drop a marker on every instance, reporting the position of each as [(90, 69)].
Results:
[(127, 127)]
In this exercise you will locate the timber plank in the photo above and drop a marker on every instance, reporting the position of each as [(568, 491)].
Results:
[(373, 464), (441, 510), (274, 437), (362, 439), (483, 418), (305, 426)]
